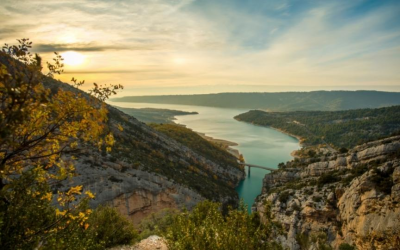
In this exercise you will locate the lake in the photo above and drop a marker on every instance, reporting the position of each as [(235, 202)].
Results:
[(259, 145)]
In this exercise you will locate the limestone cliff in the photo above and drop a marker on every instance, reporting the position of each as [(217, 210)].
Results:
[(348, 198)]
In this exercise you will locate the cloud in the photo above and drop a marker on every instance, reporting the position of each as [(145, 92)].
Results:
[(117, 71), (288, 43), (87, 47)]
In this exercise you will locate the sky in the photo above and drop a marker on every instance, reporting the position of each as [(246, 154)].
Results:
[(155, 47)]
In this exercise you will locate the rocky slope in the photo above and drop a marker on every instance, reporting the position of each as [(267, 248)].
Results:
[(350, 198), (148, 171)]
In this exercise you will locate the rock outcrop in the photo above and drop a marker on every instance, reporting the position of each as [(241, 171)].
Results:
[(348, 198), (152, 242)]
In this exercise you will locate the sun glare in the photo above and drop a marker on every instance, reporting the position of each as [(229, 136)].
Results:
[(179, 60), (73, 58)]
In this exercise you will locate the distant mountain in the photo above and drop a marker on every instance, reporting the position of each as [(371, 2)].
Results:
[(345, 128), (284, 101)]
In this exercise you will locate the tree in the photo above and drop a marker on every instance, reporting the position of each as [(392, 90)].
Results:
[(38, 126)]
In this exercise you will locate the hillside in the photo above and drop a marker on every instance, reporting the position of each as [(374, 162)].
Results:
[(284, 101), (194, 141), (151, 115), (339, 128), (146, 171), (350, 199)]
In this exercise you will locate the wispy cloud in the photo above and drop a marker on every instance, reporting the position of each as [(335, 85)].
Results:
[(224, 42), (91, 47)]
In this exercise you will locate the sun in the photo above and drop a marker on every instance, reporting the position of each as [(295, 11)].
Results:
[(73, 58), (179, 60)]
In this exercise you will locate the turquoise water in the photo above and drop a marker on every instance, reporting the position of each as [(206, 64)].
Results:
[(259, 145)]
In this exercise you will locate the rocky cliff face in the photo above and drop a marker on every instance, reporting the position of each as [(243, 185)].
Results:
[(135, 193), (348, 198)]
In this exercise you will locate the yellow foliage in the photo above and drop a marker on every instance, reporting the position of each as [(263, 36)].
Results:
[(120, 127), (75, 190), (60, 213), (47, 196), (39, 126), (89, 194)]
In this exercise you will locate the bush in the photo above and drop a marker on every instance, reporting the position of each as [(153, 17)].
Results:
[(383, 180), (157, 223), (109, 228), (303, 240), (206, 228), (345, 246), (317, 198), (296, 207), (284, 197), (312, 153), (326, 179)]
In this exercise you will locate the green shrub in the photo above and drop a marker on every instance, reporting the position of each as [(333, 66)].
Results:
[(296, 207), (327, 178), (206, 228), (303, 240), (383, 180), (109, 228), (345, 246), (29, 212), (104, 228), (317, 198), (157, 223), (284, 197)]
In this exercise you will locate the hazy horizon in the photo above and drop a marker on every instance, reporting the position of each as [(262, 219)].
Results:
[(207, 46), (200, 90)]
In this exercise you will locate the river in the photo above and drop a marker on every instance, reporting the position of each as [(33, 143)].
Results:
[(259, 145)]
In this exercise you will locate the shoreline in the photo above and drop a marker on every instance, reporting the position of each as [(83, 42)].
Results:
[(300, 139), (225, 144)]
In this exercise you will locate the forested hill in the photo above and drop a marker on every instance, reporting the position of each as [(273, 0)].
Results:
[(284, 101), (339, 128)]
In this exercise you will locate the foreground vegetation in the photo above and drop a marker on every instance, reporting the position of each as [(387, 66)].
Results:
[(340, 128), (38, 127), (207, 227)]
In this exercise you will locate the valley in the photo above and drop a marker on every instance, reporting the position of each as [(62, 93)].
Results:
[(200, 125), (258, 145)]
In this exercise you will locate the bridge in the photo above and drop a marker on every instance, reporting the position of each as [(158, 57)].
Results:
[(257, 166)]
